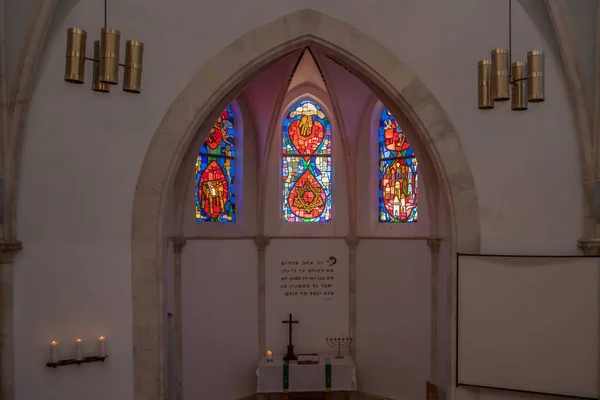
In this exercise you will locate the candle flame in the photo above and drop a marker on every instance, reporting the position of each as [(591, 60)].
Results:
[(101, 338), (79, 340), (269, 353), (54, 343)]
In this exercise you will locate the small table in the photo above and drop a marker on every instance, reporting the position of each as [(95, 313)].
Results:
[(307, 377)]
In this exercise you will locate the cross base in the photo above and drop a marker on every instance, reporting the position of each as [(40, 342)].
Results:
[(290, 356)]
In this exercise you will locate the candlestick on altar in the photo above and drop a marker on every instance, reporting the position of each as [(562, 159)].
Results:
[(79, 350), (101, 347), (340, 343), (54, 351), (269, 356)]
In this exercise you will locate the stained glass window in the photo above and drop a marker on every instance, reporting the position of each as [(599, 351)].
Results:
[(398, 173), (306, 165), (215, 173)]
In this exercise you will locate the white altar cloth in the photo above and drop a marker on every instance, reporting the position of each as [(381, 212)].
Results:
[(306, 377)]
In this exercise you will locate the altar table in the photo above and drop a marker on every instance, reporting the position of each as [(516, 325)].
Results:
[(306, 377)]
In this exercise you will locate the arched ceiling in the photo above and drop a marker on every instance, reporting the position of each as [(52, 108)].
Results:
[(307, 69), (307, 72)]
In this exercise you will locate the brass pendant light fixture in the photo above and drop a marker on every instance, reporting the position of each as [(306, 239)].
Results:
[(501, 80), (106, 59)]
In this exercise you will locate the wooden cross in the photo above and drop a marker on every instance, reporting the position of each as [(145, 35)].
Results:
[(290, 321)]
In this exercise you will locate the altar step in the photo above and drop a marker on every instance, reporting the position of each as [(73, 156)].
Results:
[(316, 396)]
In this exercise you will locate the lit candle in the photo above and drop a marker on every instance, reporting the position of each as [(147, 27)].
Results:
[(79, 350), (269, 356), (54, 351), (101, 348)]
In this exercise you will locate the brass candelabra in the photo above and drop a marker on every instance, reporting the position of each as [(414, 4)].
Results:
[(340, 343)]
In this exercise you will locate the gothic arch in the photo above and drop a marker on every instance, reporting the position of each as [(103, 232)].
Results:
[(215, 84)]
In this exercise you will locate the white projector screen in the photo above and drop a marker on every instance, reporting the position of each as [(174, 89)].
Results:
[(529, 324)]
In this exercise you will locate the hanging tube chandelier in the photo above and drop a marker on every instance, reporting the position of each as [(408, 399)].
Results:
[(499, 79), (105, 59)]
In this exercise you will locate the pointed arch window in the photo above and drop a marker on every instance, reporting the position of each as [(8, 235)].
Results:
[(306, 164), (398, 173), (215, 172)]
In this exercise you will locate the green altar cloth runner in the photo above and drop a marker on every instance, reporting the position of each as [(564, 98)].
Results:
[(329, 375), (286, 377)]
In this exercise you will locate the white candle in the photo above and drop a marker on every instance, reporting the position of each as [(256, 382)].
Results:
[(101, 348), (54, 351), (269, 355), (79, 350)]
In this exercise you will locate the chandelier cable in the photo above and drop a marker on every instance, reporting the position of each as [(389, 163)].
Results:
[(105, 7), (510, 39)]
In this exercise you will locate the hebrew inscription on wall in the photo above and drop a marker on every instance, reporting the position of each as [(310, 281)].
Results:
[(308, 278)]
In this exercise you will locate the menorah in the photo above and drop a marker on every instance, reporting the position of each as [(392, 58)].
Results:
[(340, 343)]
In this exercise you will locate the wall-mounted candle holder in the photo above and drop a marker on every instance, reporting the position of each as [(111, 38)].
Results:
[(79, 358), (62, 363)]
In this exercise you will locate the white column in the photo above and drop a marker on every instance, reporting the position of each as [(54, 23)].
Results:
[(434, 246), (178, 245), (352, 243), (261, 246), (7, 253)]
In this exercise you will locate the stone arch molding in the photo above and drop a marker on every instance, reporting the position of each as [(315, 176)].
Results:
[(216, 83)]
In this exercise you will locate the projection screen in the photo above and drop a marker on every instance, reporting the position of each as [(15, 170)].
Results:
[(529, 324)]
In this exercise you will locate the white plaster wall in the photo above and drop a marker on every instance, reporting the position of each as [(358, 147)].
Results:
[(219, 318), (318, 317), (17, 18), (583, 17), (82, 153), (393, 317), (16, 14)]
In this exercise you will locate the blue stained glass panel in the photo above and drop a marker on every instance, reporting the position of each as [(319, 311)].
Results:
[(215, 173), (398, 173)]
